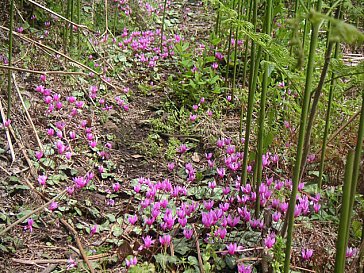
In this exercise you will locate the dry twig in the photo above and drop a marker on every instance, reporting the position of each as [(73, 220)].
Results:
[(7, 133), (27, 113)]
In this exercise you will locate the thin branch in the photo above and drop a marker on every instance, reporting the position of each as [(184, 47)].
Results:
[(27, 113), (198, 250), (58, 15), (79, 244), (60, 72), (64, 56), (31, 213), (7, 133)]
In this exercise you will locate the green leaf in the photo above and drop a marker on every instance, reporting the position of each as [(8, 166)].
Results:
[(117, 231), (111, 217)]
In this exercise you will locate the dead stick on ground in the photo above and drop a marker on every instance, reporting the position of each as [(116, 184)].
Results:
[(198, 249), (303, 269), (60, 72), (58, 15), (31, 213), (103, 79), (7, 133), (57, 261), (79, 245), (27, 113)]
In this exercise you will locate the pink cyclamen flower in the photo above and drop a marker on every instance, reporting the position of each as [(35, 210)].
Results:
[(7, 123), (116, 187), (188, 233), (133, 219), (270, 240), (148, 241), (93, 230), (231, 248), (165, 240), (306, 254), (71, 263), (53, 205), (214, 66), (193, 117), (42, 180), (131, 262), (38, 155), (351, 252), (43, 78), (244, 269), (182, 149), (29, 225)]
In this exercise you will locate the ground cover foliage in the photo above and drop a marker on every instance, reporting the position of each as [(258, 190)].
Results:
[(181, 136)]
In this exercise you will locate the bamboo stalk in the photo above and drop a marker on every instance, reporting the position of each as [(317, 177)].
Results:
[(342, 242), (297, 169)]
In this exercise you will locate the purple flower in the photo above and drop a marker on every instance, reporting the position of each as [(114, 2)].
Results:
[(244, 269), (306, 254), (182, 149), (214, 66), (38, 154), (131, 262), (316, 207), (93, 230), (220, 172), (351, 252), (80, 182), (231, 248), (133, 219), (270, 240), (53, 205), (116, 187), (71, 263), (165, 240), (42, 179), (188, 233), (29, 225), (148, 242)]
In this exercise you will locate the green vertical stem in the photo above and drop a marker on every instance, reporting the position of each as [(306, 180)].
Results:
[(217, 25), (116, 17), (79, 22), (246, 49), (229, 51), (327, 122), (295, 14), (65, 33), (236, 49), (357, 159), (341, 243), (263, 100), (305, 105), (11, 27), (316, 99), (252, 85), (162, 29), (306, 28), (71, 26)]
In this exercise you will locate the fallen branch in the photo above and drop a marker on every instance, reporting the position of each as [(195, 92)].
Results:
[(27, 113), (79, 245), (58, 15), (31, 213), (7, 133), (60, 72), (101, 76), (302, 268), (198, 250)]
